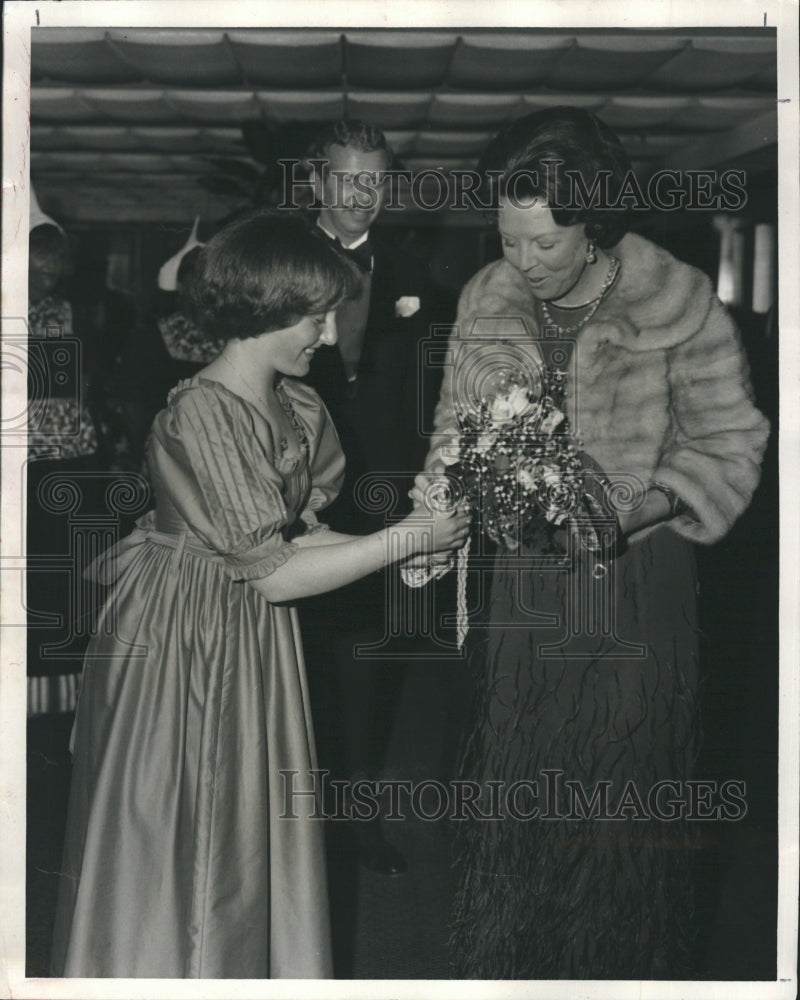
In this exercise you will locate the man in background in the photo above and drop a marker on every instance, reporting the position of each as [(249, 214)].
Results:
[(371, 383)]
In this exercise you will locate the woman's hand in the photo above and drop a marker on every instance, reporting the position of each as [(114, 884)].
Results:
[(434, 531), (426, 494), (425, 482), (654, 508)]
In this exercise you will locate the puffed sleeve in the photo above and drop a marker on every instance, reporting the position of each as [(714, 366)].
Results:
[(218, 473), (713, 461), (325, 456)]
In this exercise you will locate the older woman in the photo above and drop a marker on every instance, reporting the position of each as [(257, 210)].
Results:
[(193, 848), (587, 682)]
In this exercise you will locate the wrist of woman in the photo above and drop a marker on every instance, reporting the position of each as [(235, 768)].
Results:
[(410, 537), (677, 506), (655, 508)]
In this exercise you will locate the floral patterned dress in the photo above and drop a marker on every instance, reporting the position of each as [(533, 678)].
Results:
[(60, 425)]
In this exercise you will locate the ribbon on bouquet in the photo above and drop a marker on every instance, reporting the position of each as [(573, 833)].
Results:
[(444, 495), (462, 616), (419, 576), (590, 525)]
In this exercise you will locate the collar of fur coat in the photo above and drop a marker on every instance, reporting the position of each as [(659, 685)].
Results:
[(656, 302)]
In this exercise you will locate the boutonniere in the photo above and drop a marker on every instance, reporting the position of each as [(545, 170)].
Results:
[(406, 306)]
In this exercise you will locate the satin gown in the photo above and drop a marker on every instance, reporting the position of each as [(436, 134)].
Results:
[(186, 853)]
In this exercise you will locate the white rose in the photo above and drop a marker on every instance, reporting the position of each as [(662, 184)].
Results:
[(406, 306), (551, 421), (520, 401), (526, 478), (485, 442), (517, 403), (558, 496), (551, 475), (500, 410)]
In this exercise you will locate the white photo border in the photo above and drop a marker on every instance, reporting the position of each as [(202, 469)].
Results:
[(18, 18)]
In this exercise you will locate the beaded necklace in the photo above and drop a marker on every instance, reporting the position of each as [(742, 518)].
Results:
[(284, 402), (592, 306)]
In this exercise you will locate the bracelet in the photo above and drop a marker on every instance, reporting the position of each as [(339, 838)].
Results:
[(676, 505)]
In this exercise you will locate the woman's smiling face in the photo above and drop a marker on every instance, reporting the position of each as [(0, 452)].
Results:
[(551, 257), (294, 347)]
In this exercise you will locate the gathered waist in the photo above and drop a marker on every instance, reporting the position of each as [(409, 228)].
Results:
[(112, 563)]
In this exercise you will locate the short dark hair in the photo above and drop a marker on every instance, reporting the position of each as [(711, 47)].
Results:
[(350, 132), (48, 244), (264, 272), (582, 145)]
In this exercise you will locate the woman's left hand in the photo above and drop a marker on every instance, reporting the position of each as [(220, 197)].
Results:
[(654, 509)]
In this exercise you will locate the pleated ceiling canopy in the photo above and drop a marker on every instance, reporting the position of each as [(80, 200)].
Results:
[(132, 123)]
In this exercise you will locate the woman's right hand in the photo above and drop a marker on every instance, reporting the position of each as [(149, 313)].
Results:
[(424, 482), (427, 530)]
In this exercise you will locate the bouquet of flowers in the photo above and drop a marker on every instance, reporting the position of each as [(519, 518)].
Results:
[(521, 469), (519, 466)]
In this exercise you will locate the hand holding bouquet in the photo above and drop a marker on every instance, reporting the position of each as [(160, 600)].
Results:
[(517, 464), (522, 471)]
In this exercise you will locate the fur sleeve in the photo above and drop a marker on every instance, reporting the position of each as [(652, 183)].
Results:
[(712, 458), (494, 318)]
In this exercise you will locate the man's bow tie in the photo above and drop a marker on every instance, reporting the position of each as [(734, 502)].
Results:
[(362, 254)]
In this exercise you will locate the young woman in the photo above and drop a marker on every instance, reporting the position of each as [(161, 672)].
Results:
[(191, 849)]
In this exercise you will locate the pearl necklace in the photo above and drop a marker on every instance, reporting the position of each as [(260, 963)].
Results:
[(593, 305)]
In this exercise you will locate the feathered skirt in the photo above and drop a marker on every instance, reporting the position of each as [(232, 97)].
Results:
[(583, 737)]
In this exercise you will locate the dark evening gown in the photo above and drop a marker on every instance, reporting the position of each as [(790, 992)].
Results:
[(593, 682), (181, 857)]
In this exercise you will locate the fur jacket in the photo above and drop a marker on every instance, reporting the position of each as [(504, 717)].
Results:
[(659, 386)]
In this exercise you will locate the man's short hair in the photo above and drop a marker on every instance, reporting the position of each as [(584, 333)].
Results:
[(353, 133)]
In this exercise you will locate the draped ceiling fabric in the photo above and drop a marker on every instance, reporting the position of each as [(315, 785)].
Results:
[(122, 121)]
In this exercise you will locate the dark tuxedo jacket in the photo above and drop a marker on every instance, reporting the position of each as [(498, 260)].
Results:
[(381, 418)]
